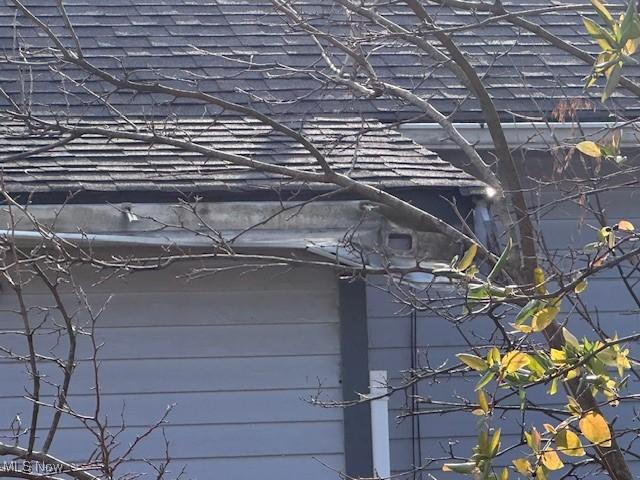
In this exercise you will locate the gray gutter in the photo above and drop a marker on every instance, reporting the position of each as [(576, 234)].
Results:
[(349, 233), (535, 135)]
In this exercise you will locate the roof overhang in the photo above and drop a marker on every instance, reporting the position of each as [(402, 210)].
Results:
[(350, 233)]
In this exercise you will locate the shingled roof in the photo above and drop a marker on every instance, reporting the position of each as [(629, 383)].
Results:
[(376, 155), (525, 75), (206, 45)]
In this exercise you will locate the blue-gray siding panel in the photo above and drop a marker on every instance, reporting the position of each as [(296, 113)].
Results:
[(239, 356)]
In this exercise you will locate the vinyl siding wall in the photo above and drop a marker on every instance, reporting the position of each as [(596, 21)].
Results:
[(436, 339), (238, 354)]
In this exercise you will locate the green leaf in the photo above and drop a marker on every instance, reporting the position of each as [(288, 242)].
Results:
[(592, 247), (501, 261), (536, 368), (635, 27), (612, 81), (553, 388), (486, 378), (599, 34), (483, 442), (627, 30), (527, 311), (522, 397), (473, 361)]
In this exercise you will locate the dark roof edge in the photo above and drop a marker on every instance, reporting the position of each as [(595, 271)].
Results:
[(215, 196)]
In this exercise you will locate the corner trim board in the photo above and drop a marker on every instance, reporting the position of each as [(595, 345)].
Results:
[(354, 348)]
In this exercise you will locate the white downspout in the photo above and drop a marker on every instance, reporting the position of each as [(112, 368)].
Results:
[(380, 424)]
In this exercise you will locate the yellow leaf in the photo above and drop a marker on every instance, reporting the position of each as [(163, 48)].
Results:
[(540, 473), (622, 362), (631, 46), (495, 443), (504, 474), (595, 429), (580, 286), (569, 443), (522, 465), (606, 235), (493, 356), (549, 428), (523, 328), (603, 59), (626, 226), (467, 467), (589, 148), (572, 373), (543, 318), (538, 280), (472, 361), (482, 401), (558, 356), (514, 361), (551, 460), (596, 33), (602, 10), (468, 257), (534, 439)]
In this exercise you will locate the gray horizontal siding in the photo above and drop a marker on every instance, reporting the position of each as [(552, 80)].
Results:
[(215, 307), (277, 467), (239, 355), (213, 407), (237, 440), (196, 341)]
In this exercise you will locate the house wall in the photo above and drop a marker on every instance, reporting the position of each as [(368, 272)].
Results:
[(391, 344), (238, 353)]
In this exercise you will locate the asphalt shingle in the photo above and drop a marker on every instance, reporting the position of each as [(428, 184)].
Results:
[(379, 156), (164, 36)]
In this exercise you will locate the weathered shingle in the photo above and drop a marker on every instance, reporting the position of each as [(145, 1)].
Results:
[(165, 36), (380, 156)]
